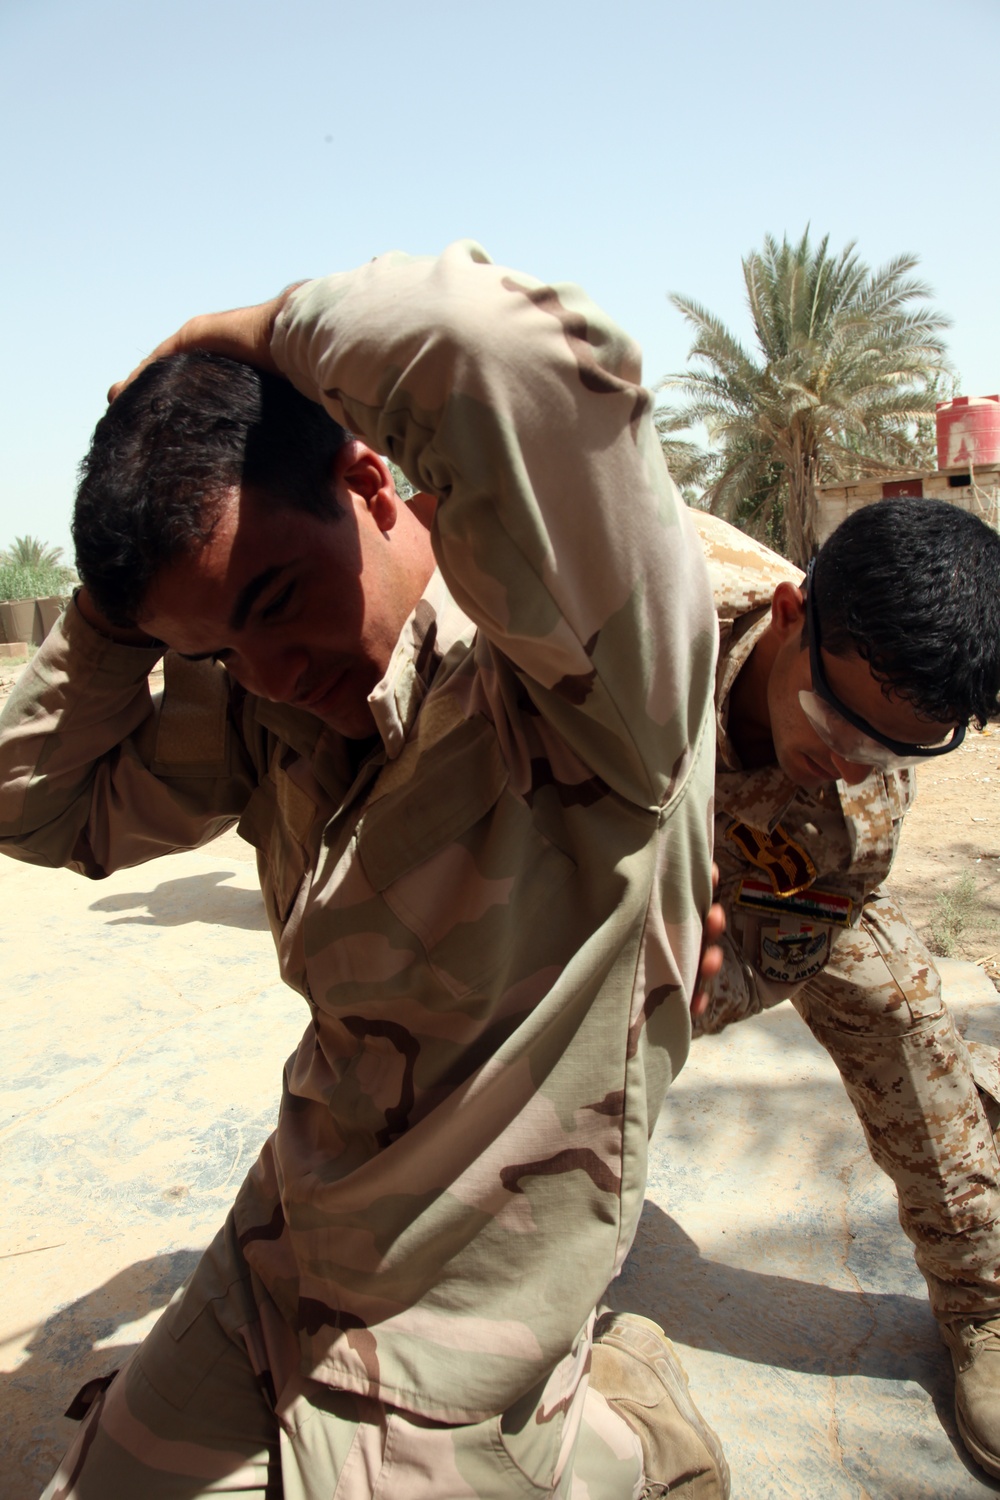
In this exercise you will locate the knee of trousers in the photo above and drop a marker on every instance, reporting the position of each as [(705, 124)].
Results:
[(881, 1007), (918, 1103)]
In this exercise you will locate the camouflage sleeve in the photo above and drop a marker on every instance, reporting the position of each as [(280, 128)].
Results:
[(559, 530), (97, 775), (738, 991)]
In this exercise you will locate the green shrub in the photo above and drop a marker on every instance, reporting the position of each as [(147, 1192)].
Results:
[(25, 581), (953, 910)]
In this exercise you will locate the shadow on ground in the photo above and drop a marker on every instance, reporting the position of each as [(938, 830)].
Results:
[(785, 1323), (192, 898), (79, 1342)]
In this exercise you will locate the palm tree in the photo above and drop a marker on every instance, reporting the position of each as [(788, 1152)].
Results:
[(31, 552), (404, 489), (845, 368)]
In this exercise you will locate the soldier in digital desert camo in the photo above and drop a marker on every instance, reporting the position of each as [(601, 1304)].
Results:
[(829, 690), (476, 764)]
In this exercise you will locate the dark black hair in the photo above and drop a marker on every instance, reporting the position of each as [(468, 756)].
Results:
[(185, 432), (914, 587)]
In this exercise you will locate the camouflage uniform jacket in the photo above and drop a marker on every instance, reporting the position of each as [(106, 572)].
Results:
[(796, 865), (495, 919)]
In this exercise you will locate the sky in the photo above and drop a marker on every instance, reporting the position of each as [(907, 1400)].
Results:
[(165, 159)]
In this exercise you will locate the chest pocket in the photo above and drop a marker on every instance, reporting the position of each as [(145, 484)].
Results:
[(871, 811), (458, 859)]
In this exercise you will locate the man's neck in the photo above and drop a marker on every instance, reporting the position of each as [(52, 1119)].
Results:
[(749, 726)]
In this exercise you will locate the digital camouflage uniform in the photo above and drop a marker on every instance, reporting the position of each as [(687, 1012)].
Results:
[(494, 920), (808, 918)]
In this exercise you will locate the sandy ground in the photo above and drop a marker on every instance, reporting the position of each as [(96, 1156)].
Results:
[(954, 828)]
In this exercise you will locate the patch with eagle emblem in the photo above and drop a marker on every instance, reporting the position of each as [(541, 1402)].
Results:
[(793, 951)]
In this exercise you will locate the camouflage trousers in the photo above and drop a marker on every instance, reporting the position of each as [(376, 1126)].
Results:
[(212, 1403), (877, 1009)]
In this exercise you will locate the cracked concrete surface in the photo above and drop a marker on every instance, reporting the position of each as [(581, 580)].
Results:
[(143, 1034)]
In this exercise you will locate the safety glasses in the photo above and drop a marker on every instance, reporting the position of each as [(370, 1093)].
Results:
[(844, 731)]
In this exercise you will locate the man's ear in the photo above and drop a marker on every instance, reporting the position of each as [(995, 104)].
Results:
[(788, 611), (359, 471)]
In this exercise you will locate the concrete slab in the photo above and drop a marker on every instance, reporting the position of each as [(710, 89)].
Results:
[(771, 1252), (143, 1033)]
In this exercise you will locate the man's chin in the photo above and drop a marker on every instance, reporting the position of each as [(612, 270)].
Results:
[(356, 723), (805, 772), (345, 709), (349, 715)]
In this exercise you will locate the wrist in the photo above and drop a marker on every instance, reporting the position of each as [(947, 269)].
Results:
[(125, 635)]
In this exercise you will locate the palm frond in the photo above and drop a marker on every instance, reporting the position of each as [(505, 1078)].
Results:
[(848, 363)]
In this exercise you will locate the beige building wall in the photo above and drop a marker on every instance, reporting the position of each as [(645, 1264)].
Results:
[(977, 491)]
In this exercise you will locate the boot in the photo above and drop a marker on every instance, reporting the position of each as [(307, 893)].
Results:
[(637, 1372), (975, 1353)]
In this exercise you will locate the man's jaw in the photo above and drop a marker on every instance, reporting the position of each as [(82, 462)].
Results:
[(341, 704), (807, 771), (822, 773)]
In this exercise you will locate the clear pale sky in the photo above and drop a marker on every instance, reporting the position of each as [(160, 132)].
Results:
[(163, 159)]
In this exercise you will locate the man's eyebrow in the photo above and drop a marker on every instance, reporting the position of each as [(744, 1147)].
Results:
[(248, 595)]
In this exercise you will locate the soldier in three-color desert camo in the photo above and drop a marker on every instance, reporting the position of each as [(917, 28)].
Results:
[(476, 763)]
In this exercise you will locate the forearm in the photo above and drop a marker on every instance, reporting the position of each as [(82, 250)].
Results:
[(77, 742), (130, 636), (80, 697)]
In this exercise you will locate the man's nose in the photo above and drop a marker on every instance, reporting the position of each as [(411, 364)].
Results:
[(849, 770)]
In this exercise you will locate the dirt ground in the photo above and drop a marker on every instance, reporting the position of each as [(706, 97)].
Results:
[(952, 832)]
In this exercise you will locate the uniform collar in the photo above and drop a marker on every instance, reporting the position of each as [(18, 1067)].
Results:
[(428, 635), (759, 798)]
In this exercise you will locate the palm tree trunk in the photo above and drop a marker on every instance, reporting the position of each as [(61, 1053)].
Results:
[(800, 516)]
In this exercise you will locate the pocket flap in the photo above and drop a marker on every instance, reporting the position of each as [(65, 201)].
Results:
[(436, 791)]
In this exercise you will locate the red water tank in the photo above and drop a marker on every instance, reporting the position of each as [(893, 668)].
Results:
[(968, 432)]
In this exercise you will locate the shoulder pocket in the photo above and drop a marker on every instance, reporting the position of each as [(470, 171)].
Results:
[(901, 787)]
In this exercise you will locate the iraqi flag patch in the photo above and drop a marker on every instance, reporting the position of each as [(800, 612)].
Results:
[(754, 894)]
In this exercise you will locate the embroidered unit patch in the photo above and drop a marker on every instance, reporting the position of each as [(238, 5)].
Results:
[(793, 951), (786, 864)]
